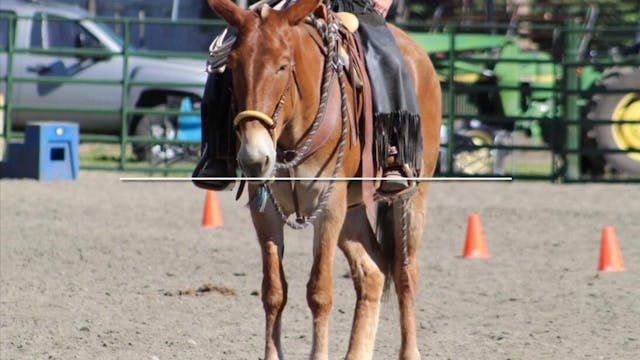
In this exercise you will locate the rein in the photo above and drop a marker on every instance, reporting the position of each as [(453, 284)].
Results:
[(332, 66)]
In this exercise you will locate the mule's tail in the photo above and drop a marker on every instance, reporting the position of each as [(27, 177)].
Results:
[(386, 234)]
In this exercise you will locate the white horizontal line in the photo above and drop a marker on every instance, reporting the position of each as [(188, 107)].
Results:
[(169, 179)]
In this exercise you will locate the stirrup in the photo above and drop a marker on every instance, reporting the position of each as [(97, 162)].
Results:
[(215, 168), (395, 180)]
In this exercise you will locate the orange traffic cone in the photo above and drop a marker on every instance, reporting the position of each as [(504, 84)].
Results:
[(212, 215), (475, 246), (610, 254)]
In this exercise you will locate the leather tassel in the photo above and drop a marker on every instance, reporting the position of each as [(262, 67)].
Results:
[(401, 129), (259, 199)]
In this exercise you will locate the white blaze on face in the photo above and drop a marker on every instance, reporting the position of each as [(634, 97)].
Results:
[(257, 154)]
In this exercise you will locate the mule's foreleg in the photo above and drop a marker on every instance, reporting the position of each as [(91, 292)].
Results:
[(320, 285), (405, 269), (269, 228), (366, 262)]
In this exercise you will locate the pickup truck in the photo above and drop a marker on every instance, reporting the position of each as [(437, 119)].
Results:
[(61, 30)]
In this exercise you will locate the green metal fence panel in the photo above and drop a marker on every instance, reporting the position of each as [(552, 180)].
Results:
[(495, 89), (125, 110), (545, 93)]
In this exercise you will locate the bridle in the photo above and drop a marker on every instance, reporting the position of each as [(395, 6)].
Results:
[(332, 67), (269, 122)]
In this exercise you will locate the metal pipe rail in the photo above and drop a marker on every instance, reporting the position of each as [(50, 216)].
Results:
[(563, 97)]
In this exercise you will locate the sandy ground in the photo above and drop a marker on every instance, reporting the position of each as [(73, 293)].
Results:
[(95, 269)]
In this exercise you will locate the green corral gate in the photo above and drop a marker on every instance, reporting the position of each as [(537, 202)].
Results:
[(567, 110)]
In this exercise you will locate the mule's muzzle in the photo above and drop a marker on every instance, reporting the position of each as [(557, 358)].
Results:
[(256, 168), (256, 156)]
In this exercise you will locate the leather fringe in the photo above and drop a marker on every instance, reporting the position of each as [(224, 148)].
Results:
[(402, 130)]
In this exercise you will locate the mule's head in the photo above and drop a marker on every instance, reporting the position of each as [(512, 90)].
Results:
[(264, 87)]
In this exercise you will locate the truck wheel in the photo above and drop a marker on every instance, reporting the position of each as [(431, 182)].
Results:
[(621, 106), (156, 127)]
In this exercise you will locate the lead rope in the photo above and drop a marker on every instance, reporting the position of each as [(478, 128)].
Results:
[(405, 251), (404, 225), (332, 66)]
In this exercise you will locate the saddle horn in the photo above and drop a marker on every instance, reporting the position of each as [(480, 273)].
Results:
[(229, 11)]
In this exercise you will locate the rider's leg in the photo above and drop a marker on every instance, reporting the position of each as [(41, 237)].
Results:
[(218, 139), (396, 114)]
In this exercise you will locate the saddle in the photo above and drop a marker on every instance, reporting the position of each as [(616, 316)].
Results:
[(353, 62), (361, 121)]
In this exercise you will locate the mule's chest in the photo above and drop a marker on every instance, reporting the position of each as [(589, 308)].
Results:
[(298, 196)]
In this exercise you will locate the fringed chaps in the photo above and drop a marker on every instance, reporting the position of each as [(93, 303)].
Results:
[(395, 107), (403, 129)]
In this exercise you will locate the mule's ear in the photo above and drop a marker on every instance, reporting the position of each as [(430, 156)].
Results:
[(229, 11), (300, 9)]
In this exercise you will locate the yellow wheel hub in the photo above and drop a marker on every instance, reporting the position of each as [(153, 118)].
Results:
[(627, 135), (476, 161)]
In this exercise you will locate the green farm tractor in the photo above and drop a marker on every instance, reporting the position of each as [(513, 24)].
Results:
[(616, 98), (503, 84), (489, 93)]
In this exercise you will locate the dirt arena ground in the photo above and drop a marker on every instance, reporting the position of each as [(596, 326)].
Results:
[(100, 269)]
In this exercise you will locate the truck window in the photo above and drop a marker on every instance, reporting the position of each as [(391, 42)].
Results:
[(53, 32), (4, 29)]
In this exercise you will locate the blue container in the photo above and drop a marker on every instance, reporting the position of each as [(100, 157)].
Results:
[(49, 152), (189, 127)]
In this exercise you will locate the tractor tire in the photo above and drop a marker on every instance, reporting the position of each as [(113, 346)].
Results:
[(475, 161), (608, 104)]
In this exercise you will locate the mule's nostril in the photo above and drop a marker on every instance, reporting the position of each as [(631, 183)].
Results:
[(256, 158)]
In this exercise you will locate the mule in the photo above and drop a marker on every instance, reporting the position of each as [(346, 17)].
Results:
[(278, 69)]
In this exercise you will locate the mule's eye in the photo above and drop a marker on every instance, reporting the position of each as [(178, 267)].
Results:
[(281, 68)]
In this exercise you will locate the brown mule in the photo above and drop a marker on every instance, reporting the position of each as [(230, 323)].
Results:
[(278, 70)]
